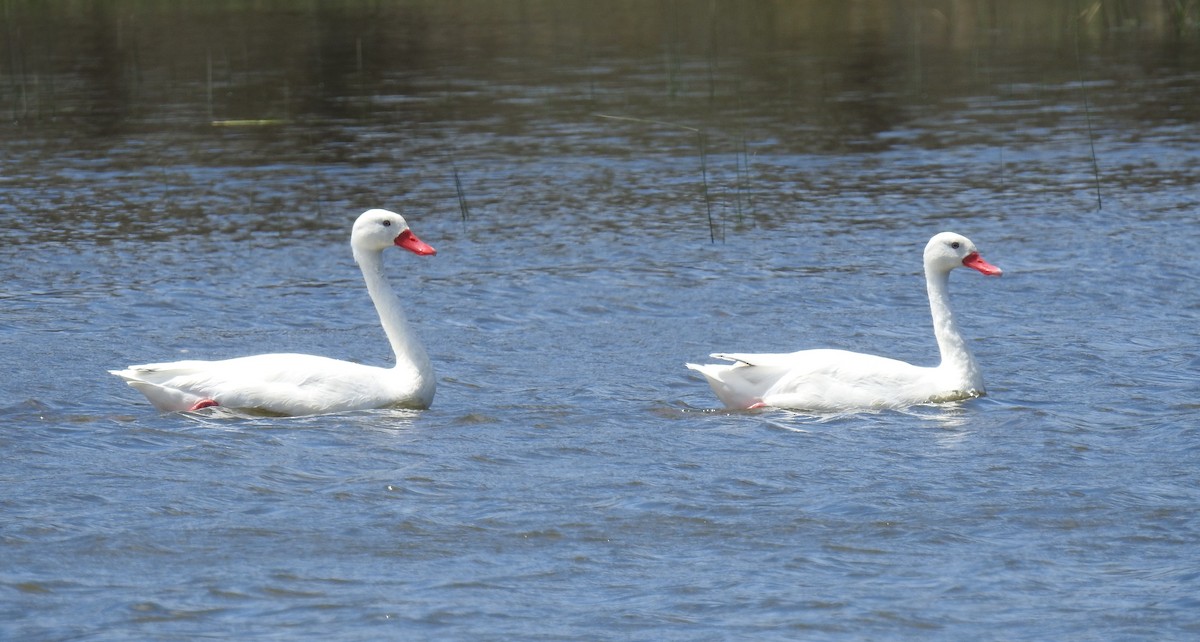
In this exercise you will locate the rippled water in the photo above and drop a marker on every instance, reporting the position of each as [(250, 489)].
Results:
[(573, 480)]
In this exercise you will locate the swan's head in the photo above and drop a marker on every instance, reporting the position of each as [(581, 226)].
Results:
[(948, 250), (378, 230)]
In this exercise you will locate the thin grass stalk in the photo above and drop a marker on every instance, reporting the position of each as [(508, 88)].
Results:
[(209, 86), (462, 196), (1087, 111), (743, 180), (712, 235)]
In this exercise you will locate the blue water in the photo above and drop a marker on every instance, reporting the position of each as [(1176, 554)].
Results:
[(572, 480)]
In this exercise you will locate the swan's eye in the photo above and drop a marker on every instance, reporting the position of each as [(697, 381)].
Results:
[(955, 245), (389, 224)]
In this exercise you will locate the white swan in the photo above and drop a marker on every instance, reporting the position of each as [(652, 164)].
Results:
[(836, 380), (301, 384)]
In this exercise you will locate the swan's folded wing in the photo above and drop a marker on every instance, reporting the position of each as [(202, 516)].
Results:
[(161, 372), (824, 379), (277, 383), (835, 380), (757, 359)]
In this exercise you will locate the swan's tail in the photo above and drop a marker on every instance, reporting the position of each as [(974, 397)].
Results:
[(731, 384), (147, 380)]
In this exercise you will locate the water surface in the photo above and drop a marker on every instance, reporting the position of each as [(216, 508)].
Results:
[(613, 190)]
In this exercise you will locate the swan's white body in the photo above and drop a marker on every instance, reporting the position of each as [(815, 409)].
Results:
[(838, 380), (301, 384)]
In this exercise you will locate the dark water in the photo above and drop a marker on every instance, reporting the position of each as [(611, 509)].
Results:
[(180, 182)]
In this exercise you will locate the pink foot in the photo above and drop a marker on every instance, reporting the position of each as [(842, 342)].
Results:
[(203, 403), (755, 406)]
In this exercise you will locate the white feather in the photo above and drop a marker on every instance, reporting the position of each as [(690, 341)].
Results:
[(835, 380)]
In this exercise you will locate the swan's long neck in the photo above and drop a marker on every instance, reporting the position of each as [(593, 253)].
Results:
[(956, 357), (410, 354)]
